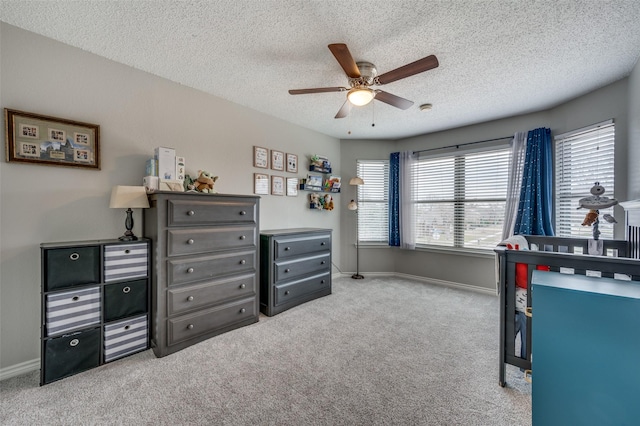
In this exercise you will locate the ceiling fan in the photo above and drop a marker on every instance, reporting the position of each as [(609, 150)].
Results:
[(363, 75)]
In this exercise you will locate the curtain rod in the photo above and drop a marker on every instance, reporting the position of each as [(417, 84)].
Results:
[(462, 144)]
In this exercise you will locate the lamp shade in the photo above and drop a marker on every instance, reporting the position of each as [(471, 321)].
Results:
[(360, 96), (125, 197), (352, 205), (356, 181)]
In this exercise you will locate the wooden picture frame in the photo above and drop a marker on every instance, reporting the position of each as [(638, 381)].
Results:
[(53, 141), (277, 160), (277, 185), (292, 187), (292, 163), (261, 184), (260, 157)]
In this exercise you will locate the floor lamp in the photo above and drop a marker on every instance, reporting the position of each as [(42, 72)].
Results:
[(353, 205)]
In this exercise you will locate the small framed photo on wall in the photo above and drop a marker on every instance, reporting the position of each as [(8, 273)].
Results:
[(292, 187), (260, 157), (277, 160), (260, 184), (292, 163), (277, 185)]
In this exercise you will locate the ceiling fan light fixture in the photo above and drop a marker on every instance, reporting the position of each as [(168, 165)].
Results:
[(360, 96)]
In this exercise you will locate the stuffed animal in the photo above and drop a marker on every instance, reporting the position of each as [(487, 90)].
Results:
[(314, 201), (327, 202), (204, 182)]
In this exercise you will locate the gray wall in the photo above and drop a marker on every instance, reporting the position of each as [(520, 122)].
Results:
[(633, 163), (136, 112), (471, 268)]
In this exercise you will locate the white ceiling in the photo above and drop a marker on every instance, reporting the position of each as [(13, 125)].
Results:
[(498, 58)]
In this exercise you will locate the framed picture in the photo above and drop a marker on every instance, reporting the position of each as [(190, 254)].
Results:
[(277, 185), (292, 163), (314, 182), (40, 139), (277, 160), (260, 184), (292, 187), (260, 157)]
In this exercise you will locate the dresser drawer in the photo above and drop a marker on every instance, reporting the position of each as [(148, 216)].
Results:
[(71, 354), (196, 212), (183, 299), (191, 241), (66, 267), (71, 310), (295, 246), (290, 291), (207, 267), (125, 299), (125, 261), (125, 337), (188, 326), (295, 268)]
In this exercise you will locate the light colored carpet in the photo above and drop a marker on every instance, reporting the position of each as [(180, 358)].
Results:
[(378, 351)]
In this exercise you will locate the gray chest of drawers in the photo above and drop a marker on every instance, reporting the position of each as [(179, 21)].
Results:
[(295, 267), (205, 266)]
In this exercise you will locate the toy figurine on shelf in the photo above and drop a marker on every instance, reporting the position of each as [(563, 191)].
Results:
[(314, 201)]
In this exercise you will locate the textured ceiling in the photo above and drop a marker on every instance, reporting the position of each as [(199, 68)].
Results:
[(497, 58)]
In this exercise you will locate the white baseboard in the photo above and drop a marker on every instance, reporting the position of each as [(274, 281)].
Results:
[(426, 280), (18, 369)]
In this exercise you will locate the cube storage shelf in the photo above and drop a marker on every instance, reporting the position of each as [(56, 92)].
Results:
[(95, 304)]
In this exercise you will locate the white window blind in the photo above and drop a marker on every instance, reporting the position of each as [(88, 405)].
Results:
[(583, 157), (373, 201), (460, 199)]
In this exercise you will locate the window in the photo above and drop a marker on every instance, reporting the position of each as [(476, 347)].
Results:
[(373, 201), (583, 157), (460, 198)]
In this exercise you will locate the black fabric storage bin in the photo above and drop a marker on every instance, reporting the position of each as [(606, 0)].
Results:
[(71, 354), (125, 299), (66, 267)]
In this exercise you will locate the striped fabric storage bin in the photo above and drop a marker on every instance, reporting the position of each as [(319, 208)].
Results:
[(124, 261), (72, 310), (125, 337)]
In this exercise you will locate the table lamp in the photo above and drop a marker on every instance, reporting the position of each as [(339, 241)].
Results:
[(129, 197)]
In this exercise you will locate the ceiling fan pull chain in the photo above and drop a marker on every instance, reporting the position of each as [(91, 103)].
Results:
[(373, 114)]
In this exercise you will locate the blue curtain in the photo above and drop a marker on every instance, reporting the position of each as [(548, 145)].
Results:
[(394, 199), (535, 206)]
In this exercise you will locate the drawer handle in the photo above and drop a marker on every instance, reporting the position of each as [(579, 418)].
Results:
[(322, 243), (126, 290), (286, 293), (126, 327), (191, 212), (190, 241), (243, 310), (287, 248), (322, 282), (190, 326), (287, 270), (74, 256), (323, 262), (242, 212), (127, 251), (242, 286), (74, 342), (190, 270), (75, 298), (243, 237), (190, 298), (242, 262)]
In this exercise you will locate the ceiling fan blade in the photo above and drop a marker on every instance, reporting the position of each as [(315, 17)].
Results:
[(317, 90), (345, 109), (344, 58), (421, 65), (392, 100)]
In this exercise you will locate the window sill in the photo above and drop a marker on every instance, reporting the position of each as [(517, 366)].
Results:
[(483, 253)]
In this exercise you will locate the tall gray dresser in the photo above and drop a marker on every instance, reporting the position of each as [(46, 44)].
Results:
[(205, 266), (295, 267)]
